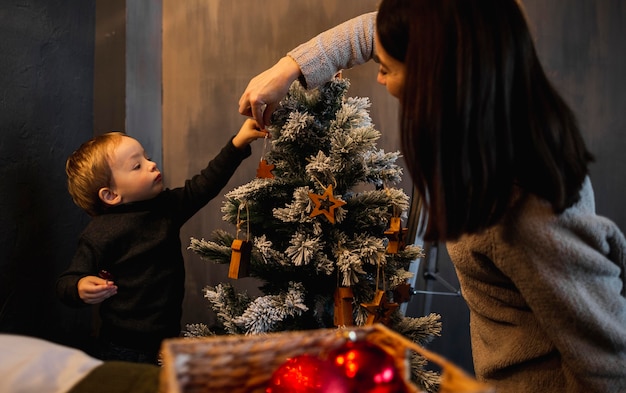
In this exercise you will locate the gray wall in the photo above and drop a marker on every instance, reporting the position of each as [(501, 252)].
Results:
[(583, 47), (210, 50)]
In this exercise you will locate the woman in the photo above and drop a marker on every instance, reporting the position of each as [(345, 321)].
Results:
[(497, 156)]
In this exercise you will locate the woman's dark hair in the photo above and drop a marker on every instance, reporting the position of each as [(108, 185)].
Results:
[(478, 114), (392, 26)]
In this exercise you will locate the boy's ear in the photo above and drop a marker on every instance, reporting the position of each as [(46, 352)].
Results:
[(109, 197)]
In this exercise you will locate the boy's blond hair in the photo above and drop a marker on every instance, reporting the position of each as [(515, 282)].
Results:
[(88, 170)]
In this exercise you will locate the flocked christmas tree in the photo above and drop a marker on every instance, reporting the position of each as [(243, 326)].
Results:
[(321, 227)]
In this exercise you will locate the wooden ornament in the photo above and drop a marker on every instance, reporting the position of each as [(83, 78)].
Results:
[(264, 171), (343, 307), (240, 259), (326, 204), (402, 293), (379, 309), (396, 235)]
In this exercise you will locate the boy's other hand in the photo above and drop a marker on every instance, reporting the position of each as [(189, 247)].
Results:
[(94, 290)]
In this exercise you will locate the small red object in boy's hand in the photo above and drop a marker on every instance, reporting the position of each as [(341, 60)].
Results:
[(106, 275)]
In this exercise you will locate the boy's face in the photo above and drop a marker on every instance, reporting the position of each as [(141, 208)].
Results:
[(133, 176)]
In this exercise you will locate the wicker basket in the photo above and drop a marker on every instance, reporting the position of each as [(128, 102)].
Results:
[(245, 364)]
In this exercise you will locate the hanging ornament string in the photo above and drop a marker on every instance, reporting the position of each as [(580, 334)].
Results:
[(243, 205), (339, 279), (396, 235), (322, 184), (380, 310), (343, 313), (264, 146), (378, 266), (380, 271), (395, 212)]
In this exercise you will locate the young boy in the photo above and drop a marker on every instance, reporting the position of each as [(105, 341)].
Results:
[(129, 257)]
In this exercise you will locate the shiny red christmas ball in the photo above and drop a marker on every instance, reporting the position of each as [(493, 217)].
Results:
[(307, 374), (368, 368)]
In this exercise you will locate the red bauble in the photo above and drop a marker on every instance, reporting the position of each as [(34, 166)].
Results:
[(307, 374), (368, 368)]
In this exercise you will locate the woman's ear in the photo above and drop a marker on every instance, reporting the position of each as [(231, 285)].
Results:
[(109, 197)]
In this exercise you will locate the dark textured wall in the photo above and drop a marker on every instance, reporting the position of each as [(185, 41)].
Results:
[(46, 89), (583, 48), (211, 49)]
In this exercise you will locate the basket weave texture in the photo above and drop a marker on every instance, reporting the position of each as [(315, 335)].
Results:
[(245, 364)]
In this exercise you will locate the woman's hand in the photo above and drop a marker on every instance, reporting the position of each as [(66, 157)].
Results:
[(265, 90)]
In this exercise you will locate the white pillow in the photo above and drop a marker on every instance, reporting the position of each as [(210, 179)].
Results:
[(32, 365)]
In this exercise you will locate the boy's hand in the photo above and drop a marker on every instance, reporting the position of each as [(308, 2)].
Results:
[(94, 290), (249, 131)]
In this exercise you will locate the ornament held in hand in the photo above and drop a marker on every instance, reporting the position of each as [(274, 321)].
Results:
[(106, 275)]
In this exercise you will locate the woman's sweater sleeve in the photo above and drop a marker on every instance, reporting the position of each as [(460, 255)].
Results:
[(341, 47)]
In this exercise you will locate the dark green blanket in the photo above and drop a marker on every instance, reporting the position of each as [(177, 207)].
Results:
[(120, 377)]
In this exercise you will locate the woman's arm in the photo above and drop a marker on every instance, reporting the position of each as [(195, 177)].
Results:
[(344, 46), (315, 62)]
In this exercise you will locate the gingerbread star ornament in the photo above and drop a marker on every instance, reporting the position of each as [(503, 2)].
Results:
[(326, 204), (264, 171), (379, 310)]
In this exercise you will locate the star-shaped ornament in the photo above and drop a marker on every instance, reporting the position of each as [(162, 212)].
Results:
[(264, 171), (379, 309), (325, 204)]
